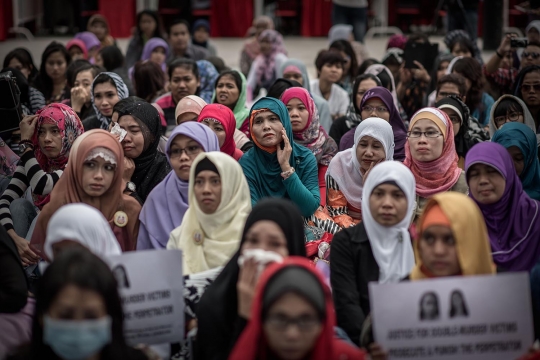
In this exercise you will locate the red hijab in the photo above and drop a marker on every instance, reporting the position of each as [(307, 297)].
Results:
[(252, 343), (223, 115)]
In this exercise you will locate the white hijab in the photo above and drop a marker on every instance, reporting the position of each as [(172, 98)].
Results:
[(376, 69), (391, 246), (221, 231), (345, 168), (84, 224)]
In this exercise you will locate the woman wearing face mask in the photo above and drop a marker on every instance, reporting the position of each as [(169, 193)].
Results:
[(93, 176), (374, 143), (452, 241), (264, 69), (78, 313), (80, 225), (231, 91), (107, 90), (509, 108), (220, 119), (46, 143), (377, 102), (308, 132), (458, 113), (166, 205), (81, 101), (211, 229), (431, 156), (274, 225), (511, 215), (143, 125), (292, 292), (521, 143), (51, 80), (378, 249), (277, 166), (184, 80), (344, 124)]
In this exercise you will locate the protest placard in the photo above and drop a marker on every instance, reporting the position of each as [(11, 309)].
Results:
[(151, 290), (467, 317)]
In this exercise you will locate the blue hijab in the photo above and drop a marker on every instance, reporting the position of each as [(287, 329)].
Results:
[(262, 169), (520, 135)]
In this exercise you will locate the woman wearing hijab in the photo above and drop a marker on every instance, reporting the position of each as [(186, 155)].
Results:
[(509, 108), (188, 109), (43, 160), (274, 225), (156, 50), (211, 229), (373, 143), (77, 49), (208, 75), (308, 132), (143, 125), (439, 70), (294, 69), (431, 155), (264, 70), (107, 90), (230, 90), (344, 124), (166, 205), (387, 79), (510, 214), (293, 282), (80, 225), (277, 166), (99, 25), (252, 48), (452, 241), (458, 113), (378, 249), (93, 176), (377, 102), (91, 42), (220, 119), (521, 143)]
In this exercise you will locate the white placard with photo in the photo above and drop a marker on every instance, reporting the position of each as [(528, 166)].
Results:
[(467, 317), (151, 289)]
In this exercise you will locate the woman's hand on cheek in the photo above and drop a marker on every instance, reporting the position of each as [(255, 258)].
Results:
[(129, 169), (284, 154)]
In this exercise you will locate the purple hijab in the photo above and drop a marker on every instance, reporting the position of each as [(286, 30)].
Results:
[(513, 221), (164, 208), (89, 39), (151, 45), (398, 127)]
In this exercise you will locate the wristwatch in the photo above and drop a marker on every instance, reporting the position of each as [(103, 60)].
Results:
[(130, 186), (23, 145)]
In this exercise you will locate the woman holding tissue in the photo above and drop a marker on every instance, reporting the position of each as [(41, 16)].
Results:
[(274, 229)]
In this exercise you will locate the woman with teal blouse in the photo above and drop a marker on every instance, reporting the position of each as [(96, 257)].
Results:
[(276, 166)]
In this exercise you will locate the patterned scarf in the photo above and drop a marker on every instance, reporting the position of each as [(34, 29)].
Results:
[(122, 91)]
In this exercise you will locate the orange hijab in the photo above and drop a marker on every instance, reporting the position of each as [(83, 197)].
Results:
[(69, 190)]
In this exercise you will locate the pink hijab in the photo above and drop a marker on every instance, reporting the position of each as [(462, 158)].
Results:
[(441, 174)]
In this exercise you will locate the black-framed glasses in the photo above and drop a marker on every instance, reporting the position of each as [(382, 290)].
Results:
[(529, 87), (512, 117), (428, 134), (282, 323), (377, 109), (190, 150)]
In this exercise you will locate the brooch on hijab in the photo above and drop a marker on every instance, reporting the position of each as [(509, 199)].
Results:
[(198, 238), (120, 219)]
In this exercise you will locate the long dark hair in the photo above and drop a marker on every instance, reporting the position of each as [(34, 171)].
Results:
[(112, 57), (25, 58), (423, 316), (470, 68), (356, 85), (453, 309), (148, 79), (43, 81), (157, 32), (81, 268), (73, 69), (345, 46)]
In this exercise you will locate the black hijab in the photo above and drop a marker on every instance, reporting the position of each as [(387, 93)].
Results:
[(217, 312), (462, 139), (151, 166), (279, 86)]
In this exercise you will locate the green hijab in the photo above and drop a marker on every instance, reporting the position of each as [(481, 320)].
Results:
[(262, 169), (240, 110)]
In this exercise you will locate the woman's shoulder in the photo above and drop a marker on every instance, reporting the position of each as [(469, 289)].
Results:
[(461, 185), (353, 234)]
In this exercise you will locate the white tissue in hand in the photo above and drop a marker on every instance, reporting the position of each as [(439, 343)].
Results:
[(117, 130), (262, 257)]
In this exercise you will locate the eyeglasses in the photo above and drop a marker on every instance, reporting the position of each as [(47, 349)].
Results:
[(528, 87), (190, 150), (377, 109), (512, 117), (428, 134), (534, 55), (282, 323), (447, 94)]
